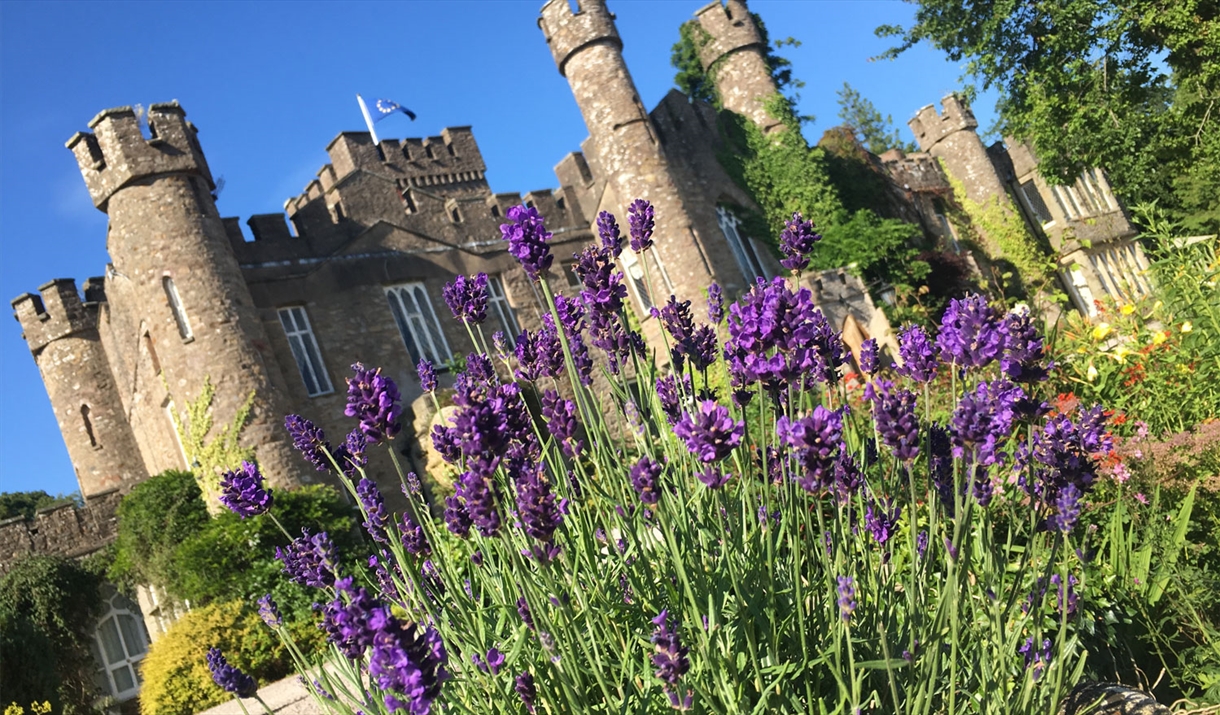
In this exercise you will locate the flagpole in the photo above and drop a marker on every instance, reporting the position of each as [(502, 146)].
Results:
[(368, 119)]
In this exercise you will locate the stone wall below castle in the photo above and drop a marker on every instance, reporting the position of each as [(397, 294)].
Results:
[(65, 530)]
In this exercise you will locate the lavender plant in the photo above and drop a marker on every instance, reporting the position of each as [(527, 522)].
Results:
[(748, 537)]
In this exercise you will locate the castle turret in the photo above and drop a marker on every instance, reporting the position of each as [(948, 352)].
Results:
[(735, 57), (63, 337), (173, 262), (952, 137), (588, 51)]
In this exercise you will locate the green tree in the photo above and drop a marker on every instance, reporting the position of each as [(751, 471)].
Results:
[(157, 516), (48, 606), (26, 504), (874, 131), (1132, 86)]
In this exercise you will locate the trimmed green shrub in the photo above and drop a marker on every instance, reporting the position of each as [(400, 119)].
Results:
[(176, 676)]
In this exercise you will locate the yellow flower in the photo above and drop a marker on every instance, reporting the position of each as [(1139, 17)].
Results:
[(1101, 330), (1091, 373), (1160, 336), (1187, 327), (1127, 309), (1120, 353)]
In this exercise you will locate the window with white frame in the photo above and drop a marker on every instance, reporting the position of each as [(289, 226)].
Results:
[(741, 246), (175, 304), (305, 351), (1033, 200), (421, 332), (1122, 271), (500, 312), (119, 644), (1078, 288), (634, 270)]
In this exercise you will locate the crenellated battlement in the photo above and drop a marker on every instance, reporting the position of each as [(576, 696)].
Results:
[(116, 153), (55, 313), (931, 126), (566, 32), (918, 172), (730, 28)]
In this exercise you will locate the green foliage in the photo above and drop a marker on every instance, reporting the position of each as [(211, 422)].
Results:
[(874, 131), (1131, 86), (698, 83), (212, 457), (25, 504), (48, 606), (176, 676), (154, 518)]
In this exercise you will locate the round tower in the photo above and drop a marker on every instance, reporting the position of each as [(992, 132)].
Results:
[(588, 51), (167, 242), (735, 57), (63, 337)]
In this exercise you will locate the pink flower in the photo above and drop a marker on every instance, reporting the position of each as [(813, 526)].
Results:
[(1139, 497), (1120, 473)]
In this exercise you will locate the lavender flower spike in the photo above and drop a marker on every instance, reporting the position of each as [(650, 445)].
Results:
[(427, 375), (524, 685), (715, 304), (242, 491), (711, 433), (467, 298), (847, 597), (796, 242), (228, 677), (917, 354), (869, 356), (527, 240), (669, 655), (309, 440), (269, 612), (373, 399), (641, 220)]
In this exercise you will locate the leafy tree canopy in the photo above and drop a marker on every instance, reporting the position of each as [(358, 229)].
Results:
[(26, 504), (1132, 86), (874, 131)]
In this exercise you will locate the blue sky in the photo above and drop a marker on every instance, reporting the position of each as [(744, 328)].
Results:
[(270, 84)]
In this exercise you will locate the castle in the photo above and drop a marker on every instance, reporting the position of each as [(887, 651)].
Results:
[(354, 268)]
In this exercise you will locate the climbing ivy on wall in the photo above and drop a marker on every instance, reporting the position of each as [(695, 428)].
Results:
[(1007, 231), (210, 458)]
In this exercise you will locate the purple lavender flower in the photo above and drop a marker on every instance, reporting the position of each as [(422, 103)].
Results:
[(894, 415), (467, 298), (309, 440), (479, 494), (817, 439), (641, 220), (495, 661), (229, 677), (348, 621), (527, 240), (921, 543), (970, 335), (848, 477), (940, 464), (869, 357), (351, 456), (796, 242), (645, 479), (242, 491), (269, 612), (373, 399), (1036, 659), (847, 597), (715, 303), (385, 581), (983, 420), (1023, 349), (882, 522), (571, 314), (711, 433), (523, 610), (704, 348), (669, 655), (310, 560), (1067, 509), (408, 659), (524, 685), (713, 477), (414, 540), (778, 338), (445, 440), (560, 416), (540, 354), (607, 230), (374, 505), (603, 283), (536, 506), (673, 392), (427, 375), (917, 355)]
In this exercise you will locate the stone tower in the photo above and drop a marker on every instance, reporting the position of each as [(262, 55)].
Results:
[(62, 334), (174, 274), (625, 146), (735, 57), (952, 137)]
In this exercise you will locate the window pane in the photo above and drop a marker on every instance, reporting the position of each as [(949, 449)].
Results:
[(298, 353), (400, 319), (109, 634), (133, 635), (315, 361), (123, 680)]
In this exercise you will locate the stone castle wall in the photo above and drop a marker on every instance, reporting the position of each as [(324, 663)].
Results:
[(64, 530)]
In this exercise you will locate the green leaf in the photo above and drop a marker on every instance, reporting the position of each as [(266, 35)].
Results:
[(1169, 558)]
